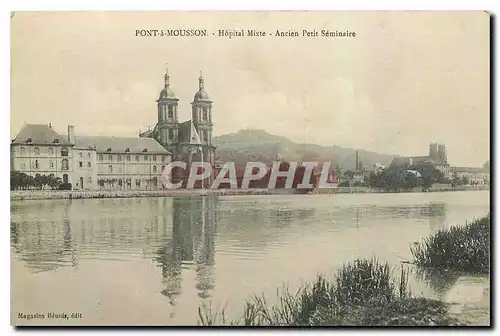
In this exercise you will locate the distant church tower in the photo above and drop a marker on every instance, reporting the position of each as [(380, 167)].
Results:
[(167, 132)]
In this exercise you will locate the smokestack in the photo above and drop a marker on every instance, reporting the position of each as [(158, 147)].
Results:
[(71, 134), (357, 159)]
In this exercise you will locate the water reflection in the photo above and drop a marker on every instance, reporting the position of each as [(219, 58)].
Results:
[(261, 241), (192, 245), (440, 281), (437, 215)]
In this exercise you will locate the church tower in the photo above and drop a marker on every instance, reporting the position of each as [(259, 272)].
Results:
[(201, 114), (167, 132)]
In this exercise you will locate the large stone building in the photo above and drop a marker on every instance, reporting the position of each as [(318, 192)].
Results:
[(107, 162), (438, 157), (474, 175), (188, 141), (89, 162)]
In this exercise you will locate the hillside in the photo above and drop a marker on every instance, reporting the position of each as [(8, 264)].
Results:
[(258, 145)]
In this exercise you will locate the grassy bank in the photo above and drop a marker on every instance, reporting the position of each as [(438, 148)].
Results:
[(459, 248), (362, 293), (365, 292)]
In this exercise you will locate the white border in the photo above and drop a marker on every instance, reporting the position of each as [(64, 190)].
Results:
[(142, 5)]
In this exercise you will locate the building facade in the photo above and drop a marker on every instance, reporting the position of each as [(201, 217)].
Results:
[(474, 175), (106, 162), (38, 149), (89, 162), (438, 157), (189, 141)]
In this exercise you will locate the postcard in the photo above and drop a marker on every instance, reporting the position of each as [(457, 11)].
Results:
[(250, 168)]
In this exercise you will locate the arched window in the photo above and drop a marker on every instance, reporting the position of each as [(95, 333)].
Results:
[(64, 164), (170, 112), (154, 169)]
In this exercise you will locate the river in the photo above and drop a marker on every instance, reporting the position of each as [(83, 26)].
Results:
[(153, 261)]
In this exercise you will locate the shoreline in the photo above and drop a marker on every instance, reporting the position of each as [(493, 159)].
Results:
[(19, 195)]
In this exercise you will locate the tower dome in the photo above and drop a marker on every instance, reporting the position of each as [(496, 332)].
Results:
[(201, 94), (167, 91)]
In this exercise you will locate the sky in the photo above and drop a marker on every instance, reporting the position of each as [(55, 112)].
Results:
[(405, 80)]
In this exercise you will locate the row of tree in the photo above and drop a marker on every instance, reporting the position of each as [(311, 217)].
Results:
[(403, 177), (22, 181), (126, 183)]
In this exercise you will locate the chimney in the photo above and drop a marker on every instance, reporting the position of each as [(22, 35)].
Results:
[(71, 134), (50, 125), (357, 159)]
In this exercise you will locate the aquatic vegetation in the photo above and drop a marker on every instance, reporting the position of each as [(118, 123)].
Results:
[(362, 293), (461, 248)]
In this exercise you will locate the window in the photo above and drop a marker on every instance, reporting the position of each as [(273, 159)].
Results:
[(37, 165), (110, 168), (81, 154), (80, 164), (88, 155), (100, 157), (155, 182), (170, 112), (37, 151), (154, 157), (108, 150), (56, 141), (51, 151), (90, 180), (64, 151), (163, 158), (154, 169), (29, 140), (138, 183), (145, 158), (65, 164), (171, 135), (89, 164), (119, 158), (110, 157), (205, 113), (137, 158), (51, 164), (23, 151), (128, 157)]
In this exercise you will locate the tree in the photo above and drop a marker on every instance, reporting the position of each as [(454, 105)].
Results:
[(465, 180)]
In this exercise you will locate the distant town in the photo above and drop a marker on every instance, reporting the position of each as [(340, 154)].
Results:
[(42, 158)]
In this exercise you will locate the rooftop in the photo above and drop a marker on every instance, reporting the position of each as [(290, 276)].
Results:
[(39, 134), (120, 144)]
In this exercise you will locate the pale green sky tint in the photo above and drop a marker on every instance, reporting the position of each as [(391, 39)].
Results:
[(408, 78)]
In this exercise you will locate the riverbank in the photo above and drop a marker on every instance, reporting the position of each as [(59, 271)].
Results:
[(366, 293), (81, 194), (363, 293)]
